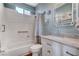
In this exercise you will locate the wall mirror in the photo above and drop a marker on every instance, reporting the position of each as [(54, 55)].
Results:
[(63, 15)]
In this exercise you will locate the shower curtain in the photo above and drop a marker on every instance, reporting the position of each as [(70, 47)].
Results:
[(38, 28)]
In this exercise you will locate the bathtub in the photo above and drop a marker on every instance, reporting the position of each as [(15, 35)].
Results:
[(18, 51)]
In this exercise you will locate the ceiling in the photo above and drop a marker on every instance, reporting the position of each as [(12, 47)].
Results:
[(32, 4)]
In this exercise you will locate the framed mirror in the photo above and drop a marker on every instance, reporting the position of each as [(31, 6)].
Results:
[(63, 15)]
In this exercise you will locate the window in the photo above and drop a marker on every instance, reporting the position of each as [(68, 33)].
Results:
[(23, 11), (27, 12), (19, 10)]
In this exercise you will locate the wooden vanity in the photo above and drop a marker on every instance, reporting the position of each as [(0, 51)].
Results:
[(59, 46)]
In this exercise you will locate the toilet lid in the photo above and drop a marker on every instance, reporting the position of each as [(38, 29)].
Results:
[(36, 46)]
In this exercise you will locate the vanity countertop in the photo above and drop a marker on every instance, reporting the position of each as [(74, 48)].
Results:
[(65, 40)]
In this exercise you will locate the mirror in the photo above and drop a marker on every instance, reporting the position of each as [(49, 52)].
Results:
[(63, 15)]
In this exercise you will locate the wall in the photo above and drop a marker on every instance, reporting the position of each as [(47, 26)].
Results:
[(69, 31), (64, 8), (40, 10), (41, 7)]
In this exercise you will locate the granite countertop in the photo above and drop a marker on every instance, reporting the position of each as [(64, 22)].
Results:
[(65, 40)]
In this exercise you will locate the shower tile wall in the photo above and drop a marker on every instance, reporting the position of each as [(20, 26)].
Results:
[(15, 25)]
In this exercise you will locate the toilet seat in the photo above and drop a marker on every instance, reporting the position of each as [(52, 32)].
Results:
[(35, 49), (36, 46)]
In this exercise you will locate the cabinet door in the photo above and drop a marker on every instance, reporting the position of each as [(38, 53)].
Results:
[(70, 51), (57, 49), (47, 51), (51, 48), (47, 47)]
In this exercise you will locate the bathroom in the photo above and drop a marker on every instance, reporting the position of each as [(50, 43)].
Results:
[(39, 29)]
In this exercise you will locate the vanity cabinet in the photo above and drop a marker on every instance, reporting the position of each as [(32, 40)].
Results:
[(47, 47), (70, 51), (47, 51), (57, 49), (52, 48)]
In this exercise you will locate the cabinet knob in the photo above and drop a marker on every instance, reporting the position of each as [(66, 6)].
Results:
[(48, 51)]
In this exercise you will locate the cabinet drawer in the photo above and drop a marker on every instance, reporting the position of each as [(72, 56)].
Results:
[(70, 51)]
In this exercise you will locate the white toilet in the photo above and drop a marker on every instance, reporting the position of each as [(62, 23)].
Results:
[(36, 49)]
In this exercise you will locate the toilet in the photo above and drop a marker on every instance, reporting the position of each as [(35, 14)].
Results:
[(36, 49)]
